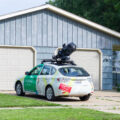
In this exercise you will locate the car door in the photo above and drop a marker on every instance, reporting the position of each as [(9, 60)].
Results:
[(31, 78), (44, 79)]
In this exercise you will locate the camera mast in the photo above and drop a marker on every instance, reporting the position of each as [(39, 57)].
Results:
[(63, 55)]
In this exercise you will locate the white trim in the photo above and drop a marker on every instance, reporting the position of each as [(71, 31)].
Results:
[(85, 21), (23, 12), (67, 14), (100, 64), (22, 47)]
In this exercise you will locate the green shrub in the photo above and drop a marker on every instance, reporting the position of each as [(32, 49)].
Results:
[(118, 87)]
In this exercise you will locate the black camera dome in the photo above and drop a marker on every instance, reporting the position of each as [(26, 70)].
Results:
[(65, 52), (63, 55)]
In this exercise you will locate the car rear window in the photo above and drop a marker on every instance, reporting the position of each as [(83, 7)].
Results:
[(73, 71)]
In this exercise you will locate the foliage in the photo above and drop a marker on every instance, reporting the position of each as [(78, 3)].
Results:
[(118, 87), (104, 12)]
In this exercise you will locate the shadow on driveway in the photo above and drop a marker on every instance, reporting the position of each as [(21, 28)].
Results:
[(58, 99)]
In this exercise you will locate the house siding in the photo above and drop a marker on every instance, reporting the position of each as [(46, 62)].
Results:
[(45, 31)]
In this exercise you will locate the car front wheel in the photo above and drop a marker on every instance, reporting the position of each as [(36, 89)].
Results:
[(85, 98), (19, 89), (49, 93)]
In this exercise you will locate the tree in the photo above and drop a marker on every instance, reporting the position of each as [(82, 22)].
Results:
[(104, 12)]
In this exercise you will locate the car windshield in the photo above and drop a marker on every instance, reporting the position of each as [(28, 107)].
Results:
[(73, 71)]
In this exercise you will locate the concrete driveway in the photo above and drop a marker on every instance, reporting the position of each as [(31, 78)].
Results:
[(107, 101)]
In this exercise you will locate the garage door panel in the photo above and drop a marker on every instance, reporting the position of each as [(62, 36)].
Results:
[(90, 61), (13, 63)]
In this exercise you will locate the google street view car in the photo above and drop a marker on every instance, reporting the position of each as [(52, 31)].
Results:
[(57, 77)]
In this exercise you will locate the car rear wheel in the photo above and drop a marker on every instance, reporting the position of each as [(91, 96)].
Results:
[(50, 93), (85, 98), (19, 89)]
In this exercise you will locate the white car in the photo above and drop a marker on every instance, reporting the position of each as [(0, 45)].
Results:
[(52, 80)]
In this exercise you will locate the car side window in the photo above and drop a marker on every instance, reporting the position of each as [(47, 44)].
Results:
[(36, 71), (46, 70), (53, 70)]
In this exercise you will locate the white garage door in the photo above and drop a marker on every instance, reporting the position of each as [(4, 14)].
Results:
[(14, 61), (90, 60)]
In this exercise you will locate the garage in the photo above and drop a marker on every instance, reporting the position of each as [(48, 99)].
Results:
[(46, 28), (14, 61), (90, 60)]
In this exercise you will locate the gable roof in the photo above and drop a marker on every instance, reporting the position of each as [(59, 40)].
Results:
[(66, 14)]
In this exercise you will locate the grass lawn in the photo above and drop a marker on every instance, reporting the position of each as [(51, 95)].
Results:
[(56, 114), (17, 101)]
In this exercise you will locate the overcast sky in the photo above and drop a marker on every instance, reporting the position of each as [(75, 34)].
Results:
[(9, 6)]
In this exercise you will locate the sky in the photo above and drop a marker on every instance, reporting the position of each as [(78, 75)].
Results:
[(10, 6)]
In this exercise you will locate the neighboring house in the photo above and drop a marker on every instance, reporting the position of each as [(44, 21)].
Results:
[(46, 28)]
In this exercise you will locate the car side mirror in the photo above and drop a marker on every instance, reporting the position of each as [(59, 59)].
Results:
[(26, 73)]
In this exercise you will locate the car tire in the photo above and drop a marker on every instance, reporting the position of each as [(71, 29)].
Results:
[(85, 98), (49, 93), (19, 89)]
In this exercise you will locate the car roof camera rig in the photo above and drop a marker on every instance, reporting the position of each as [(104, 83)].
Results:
[(63, 55)]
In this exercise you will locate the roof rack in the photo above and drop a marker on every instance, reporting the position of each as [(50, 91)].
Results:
[(58, 62), (63, 55)]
